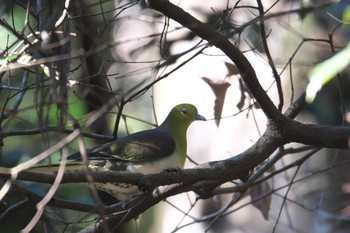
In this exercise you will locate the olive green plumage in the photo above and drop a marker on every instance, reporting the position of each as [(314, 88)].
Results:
[(148, 151)]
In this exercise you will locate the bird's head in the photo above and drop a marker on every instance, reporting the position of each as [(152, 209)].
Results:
[(176, 124), (182, 116)]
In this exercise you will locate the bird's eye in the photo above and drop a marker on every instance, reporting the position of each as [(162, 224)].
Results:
[(184, 111)]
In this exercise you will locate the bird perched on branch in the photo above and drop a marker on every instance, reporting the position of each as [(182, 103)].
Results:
[(148, 151)]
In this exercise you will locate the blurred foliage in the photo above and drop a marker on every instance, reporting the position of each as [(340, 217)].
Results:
[(322, 73), (90, 87), (346, 15)]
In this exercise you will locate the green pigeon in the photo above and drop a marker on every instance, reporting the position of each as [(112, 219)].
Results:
[(148, 151)]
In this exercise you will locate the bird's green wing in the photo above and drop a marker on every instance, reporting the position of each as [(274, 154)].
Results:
[(144, 146)]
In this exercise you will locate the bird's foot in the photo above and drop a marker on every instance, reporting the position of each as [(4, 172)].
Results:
[(173, 169), (143, 187)]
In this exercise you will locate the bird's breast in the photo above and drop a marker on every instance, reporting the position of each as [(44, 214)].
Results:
[(171, 161)]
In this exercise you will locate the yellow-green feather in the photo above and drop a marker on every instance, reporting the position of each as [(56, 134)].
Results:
[(177, 124)]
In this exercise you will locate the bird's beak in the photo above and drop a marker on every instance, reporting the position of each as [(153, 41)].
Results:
[(199, 117)]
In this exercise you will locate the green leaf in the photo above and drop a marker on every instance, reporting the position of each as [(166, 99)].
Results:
[(75, 107), (346, 15), (326, 71), (10, 58)]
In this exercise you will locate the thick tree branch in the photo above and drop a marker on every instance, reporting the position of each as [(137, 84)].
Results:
[(317, 135), (192, 179), (224, 170), (215, 38), (291, 131)]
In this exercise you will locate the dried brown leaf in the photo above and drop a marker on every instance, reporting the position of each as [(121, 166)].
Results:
[(263, 203), (232, 69), (219, 88)]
